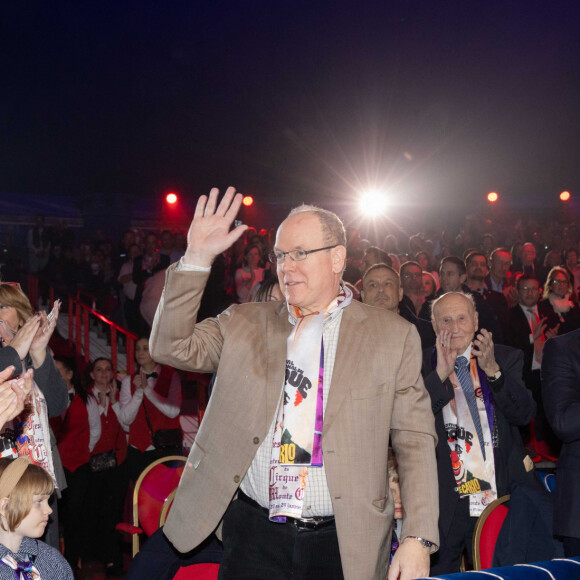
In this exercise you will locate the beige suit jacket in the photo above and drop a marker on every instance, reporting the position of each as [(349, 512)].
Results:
[(376, 391)]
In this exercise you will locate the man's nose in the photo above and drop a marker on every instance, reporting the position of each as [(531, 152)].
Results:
[(288, 265)]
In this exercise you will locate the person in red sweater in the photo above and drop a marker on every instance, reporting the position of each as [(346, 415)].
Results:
[(150, 402), (108, 479)]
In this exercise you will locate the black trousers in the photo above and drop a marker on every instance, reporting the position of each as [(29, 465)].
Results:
[(459, 539), (571, 546), (73, 514), (256, 548), (103, 511)]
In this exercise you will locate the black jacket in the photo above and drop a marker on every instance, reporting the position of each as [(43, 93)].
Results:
[(513, 406), (561, 394)]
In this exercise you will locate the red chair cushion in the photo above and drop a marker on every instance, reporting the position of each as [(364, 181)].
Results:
[(489, 534), (155, 488), (198, 572)]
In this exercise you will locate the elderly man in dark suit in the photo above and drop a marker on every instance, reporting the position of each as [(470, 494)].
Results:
[(561, 393), (479, 400)]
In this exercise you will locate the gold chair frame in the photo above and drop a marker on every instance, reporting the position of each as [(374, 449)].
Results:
[(164, 509), (479, 528)]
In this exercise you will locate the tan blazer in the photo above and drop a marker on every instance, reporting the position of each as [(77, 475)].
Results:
[(376, 391)]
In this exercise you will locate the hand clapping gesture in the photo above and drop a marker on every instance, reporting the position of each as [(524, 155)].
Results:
[(13, 394), (445, 355), (33, 336), (209, 233), (483, 350)]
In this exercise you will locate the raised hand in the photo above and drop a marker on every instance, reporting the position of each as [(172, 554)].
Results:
[(209, 233), (552, 332), (446, 356), (22, 340), (483, 350), (113, 392), (540, 329), (43, 334)]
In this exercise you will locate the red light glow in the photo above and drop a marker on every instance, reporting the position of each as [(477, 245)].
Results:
[(492, 197), (248, 200), (565, 196), (171, 198)]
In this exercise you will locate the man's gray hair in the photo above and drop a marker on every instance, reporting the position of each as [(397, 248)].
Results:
[(332, 226), (467, 297)]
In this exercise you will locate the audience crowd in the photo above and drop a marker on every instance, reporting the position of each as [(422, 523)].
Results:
[(522, 280)]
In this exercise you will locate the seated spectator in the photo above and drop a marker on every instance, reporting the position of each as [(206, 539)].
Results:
[(382, 288), (429, 285), (249, 275), (558, 305), (571, 263), (149, 403), (412, 283), (479, 453)]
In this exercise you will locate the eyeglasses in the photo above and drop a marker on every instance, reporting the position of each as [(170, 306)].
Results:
[(532, 289), (277, 257), (560, 282), (408, 275)]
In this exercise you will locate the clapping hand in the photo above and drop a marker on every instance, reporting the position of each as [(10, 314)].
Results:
[(209, 233), (43, 334), (484, 351), (446, 356), (13, 394)]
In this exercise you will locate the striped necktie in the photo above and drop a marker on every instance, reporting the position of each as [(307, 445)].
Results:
[(464, 376)]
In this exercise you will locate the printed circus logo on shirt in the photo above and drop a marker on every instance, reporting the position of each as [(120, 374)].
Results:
[(456, 433), (295, 378)]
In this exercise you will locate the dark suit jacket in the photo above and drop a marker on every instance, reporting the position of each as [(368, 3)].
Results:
[(571, 318), (561, 393), (518, 336), (513, 406)]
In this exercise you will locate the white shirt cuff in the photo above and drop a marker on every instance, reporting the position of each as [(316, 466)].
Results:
[(190, 267)]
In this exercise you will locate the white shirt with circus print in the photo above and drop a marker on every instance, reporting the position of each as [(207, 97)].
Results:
[(474, 476)]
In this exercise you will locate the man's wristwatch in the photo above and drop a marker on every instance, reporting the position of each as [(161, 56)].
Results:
[(495, 377), (426, 543)]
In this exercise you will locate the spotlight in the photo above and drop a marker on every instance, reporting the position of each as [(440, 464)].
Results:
[(565, 196), (373, 203), (171, 198), (248, 200), (492, 197)]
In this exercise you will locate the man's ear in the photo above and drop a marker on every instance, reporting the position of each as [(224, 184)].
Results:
[(338, 256), (400, 293), (462, 278)]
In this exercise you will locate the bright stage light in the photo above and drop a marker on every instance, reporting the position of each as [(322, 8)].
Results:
[(565, 196), (171, 198), (248, 200), (492, 197), (373, 203)]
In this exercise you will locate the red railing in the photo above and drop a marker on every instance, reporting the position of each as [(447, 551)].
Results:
[(79, 318), (79, 333)]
